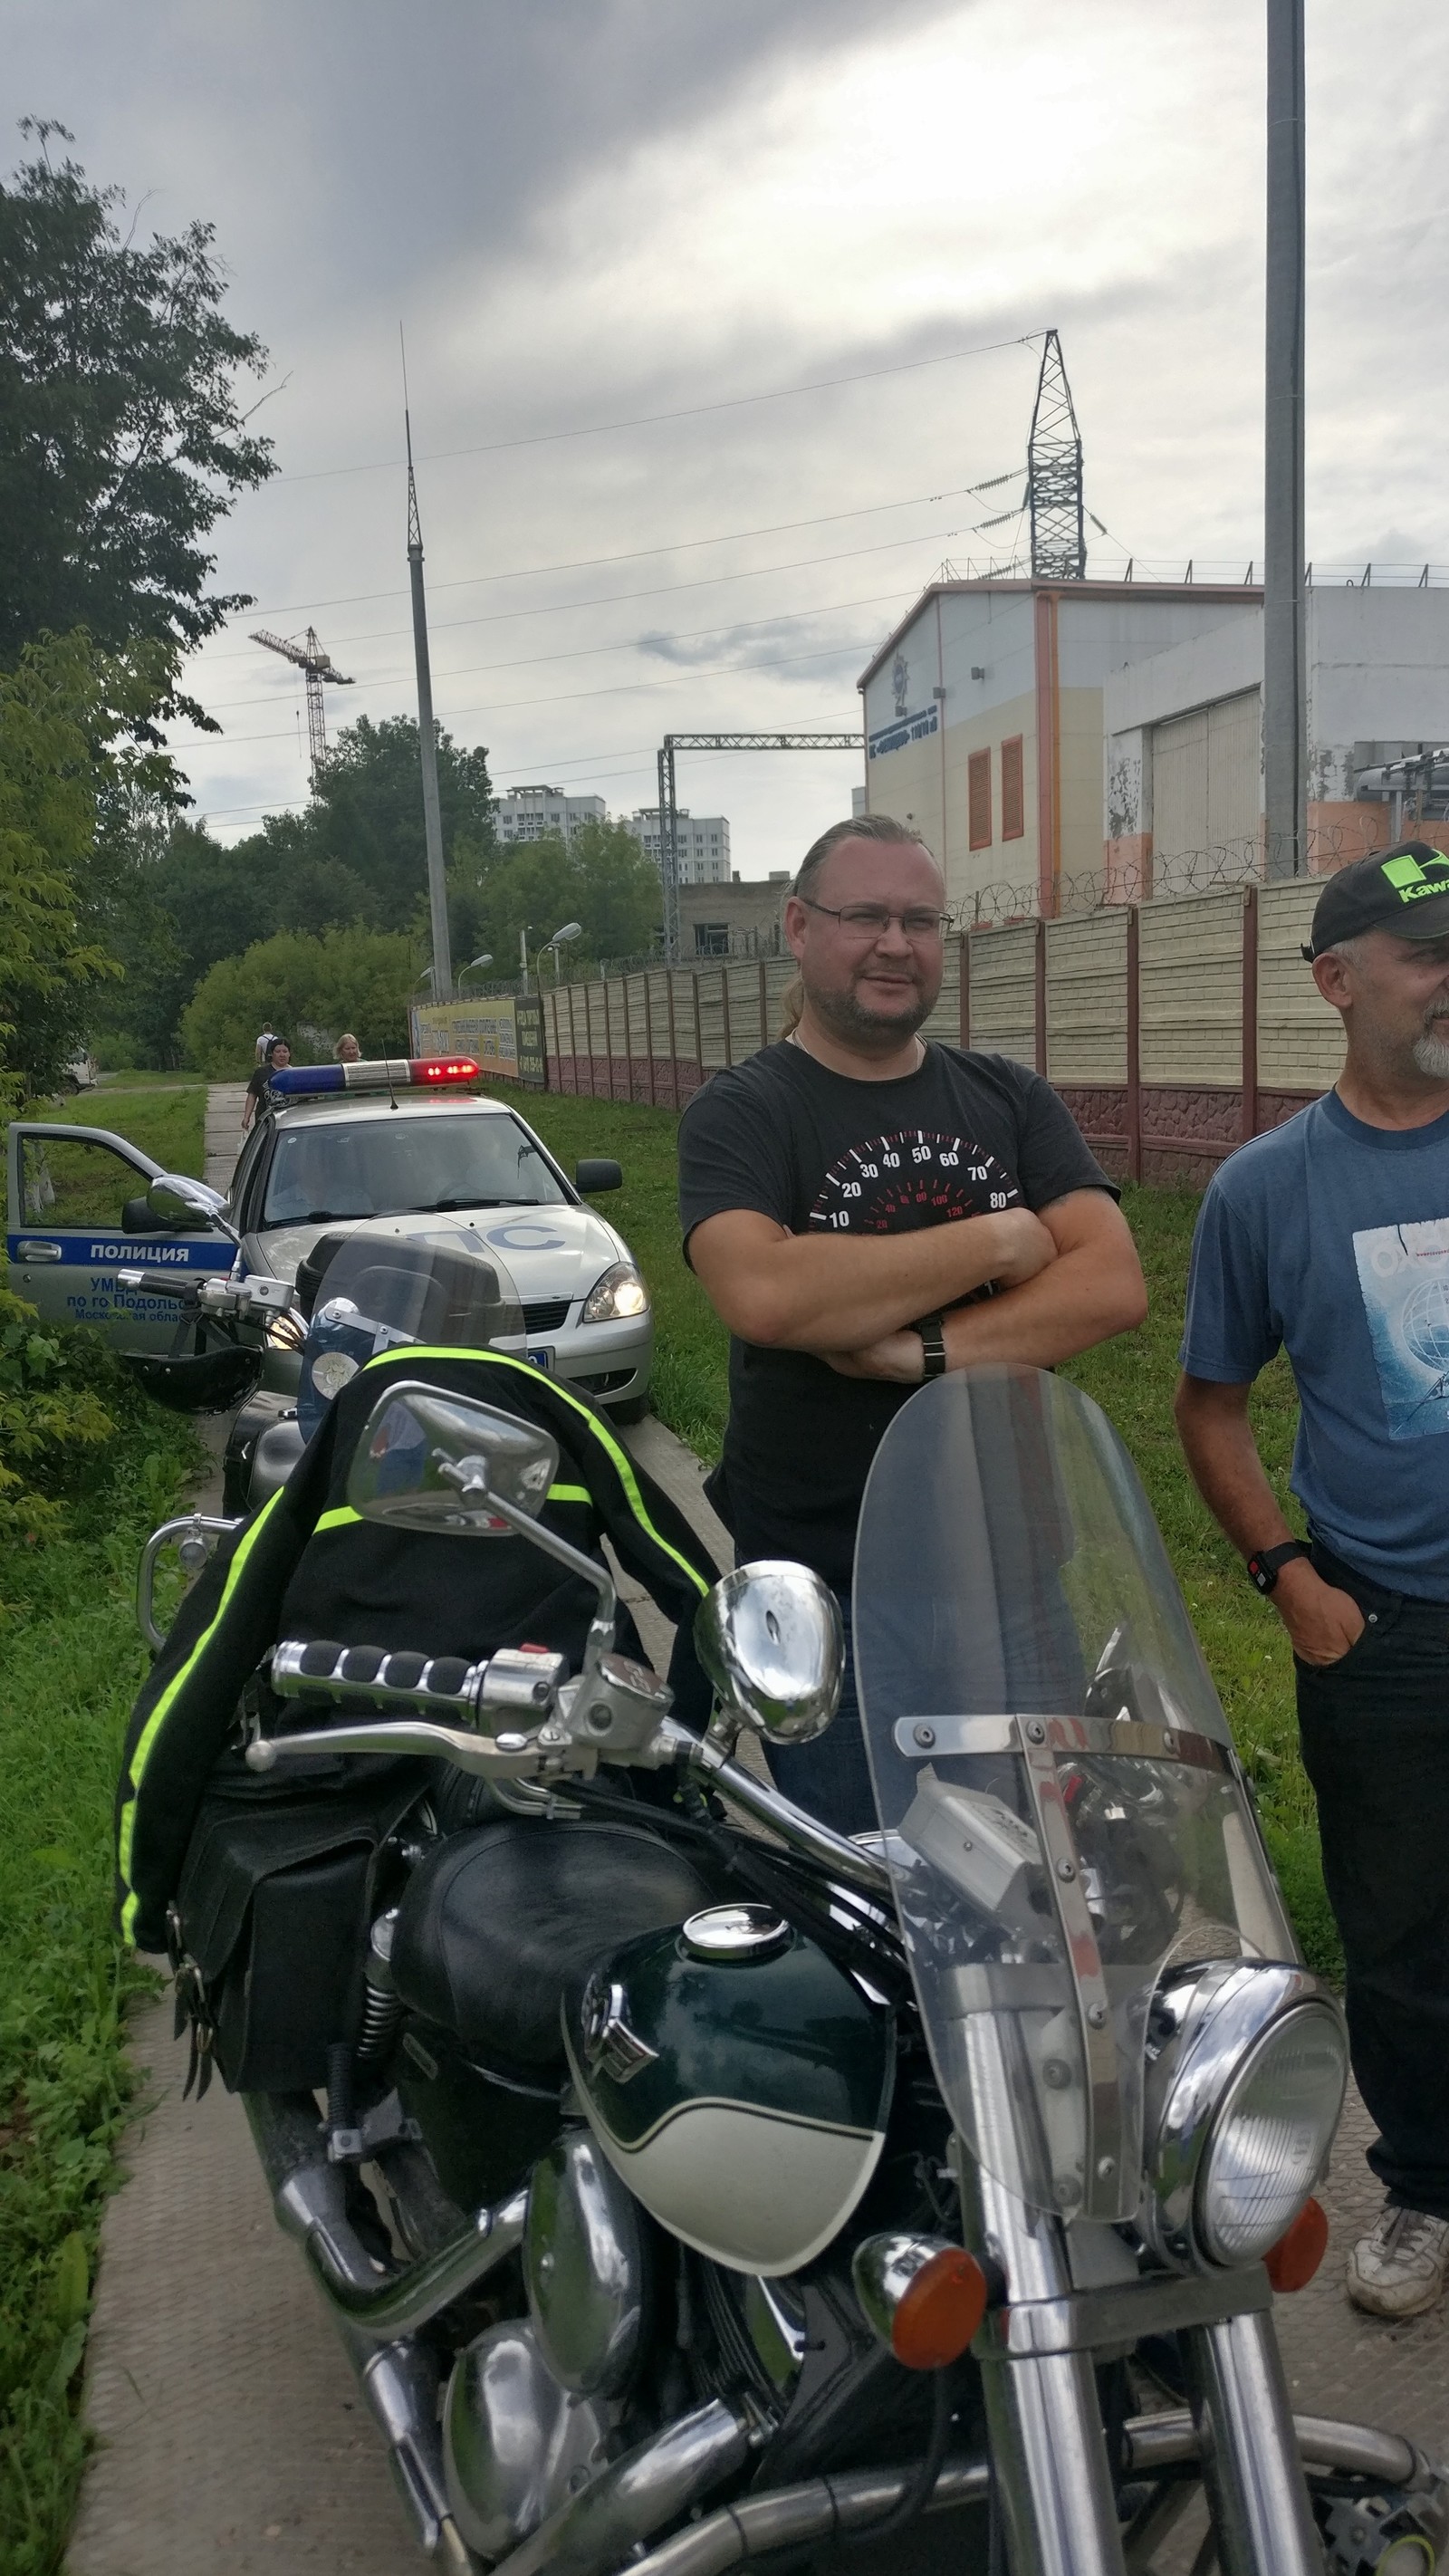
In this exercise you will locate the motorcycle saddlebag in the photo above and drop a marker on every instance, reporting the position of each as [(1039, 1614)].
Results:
[(269, 1923)]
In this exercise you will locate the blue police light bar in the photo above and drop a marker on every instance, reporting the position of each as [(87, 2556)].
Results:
[(382, 1073)]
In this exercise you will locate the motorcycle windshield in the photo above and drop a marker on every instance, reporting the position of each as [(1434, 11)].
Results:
[(1062, 1814), (446, 1290)]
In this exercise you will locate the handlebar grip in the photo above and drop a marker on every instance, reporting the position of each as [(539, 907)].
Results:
[(161, 1283), (434, 1685)]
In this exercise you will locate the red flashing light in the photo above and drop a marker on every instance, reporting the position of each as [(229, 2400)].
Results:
[(435, 1070)]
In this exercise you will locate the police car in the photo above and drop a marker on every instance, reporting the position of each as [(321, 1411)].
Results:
[(383, 1148)]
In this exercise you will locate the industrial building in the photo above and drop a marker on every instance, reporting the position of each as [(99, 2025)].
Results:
[(703, 842), (526, 813), (1064, 742)]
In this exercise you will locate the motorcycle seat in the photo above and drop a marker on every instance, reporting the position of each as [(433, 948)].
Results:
[(498, 1924)]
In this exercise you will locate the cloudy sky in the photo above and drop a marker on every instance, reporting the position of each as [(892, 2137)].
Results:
[(716, 314)]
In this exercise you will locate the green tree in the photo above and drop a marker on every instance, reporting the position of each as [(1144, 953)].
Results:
[(310, 990), (601, 878), (366, 813), (66, 712), (121, 440)]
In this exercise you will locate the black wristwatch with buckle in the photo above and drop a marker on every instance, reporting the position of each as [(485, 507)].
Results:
[(933, 1344), (1265, 1566)]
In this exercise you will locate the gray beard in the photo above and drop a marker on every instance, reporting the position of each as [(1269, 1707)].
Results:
[(1431, 1052), (845, 1018)]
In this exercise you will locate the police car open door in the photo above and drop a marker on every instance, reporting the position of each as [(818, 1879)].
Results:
[(77, 1214)]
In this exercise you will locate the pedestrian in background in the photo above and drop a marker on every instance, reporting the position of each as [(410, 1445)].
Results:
[(278, 1057), (263, 1042), (347, 1050), (1329, 1238)]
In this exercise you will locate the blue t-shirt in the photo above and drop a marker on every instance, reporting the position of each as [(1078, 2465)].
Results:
[(1330, 1240)]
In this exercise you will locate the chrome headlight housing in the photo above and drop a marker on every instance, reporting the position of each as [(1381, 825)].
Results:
[(1247, 2065), (615, 1298)]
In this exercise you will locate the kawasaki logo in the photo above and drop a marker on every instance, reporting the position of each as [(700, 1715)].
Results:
[(1411, 882)]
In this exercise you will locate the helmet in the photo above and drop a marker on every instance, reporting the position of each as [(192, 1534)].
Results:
[(379, 1291)]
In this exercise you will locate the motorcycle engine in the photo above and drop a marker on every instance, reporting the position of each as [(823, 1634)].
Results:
[(530, 2407)]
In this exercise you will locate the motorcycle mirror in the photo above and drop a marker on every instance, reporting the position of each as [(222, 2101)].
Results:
[(771, 1640), (178, 1200), (427, 1461)]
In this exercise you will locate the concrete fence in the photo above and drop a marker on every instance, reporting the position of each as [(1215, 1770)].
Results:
[(1173, 1030)]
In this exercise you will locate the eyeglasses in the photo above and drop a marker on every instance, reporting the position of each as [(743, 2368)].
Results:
[(869, 920)]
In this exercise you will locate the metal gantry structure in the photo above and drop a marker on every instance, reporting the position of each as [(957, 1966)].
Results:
[(315, 666), (1054, 475), (669, 799)]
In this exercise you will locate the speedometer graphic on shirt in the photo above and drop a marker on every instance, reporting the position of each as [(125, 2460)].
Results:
[(916, 1177)]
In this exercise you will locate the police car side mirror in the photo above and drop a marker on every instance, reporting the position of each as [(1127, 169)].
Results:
[(597, 1173), (176, 1200)]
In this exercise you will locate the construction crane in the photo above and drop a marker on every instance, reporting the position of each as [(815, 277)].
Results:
[(1054, 475), (317, 666)]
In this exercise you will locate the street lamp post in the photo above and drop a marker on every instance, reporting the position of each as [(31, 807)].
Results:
[(485, 960), (560, 939)]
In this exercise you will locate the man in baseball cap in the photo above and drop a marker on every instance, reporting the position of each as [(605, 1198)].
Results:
[(1405, 892), (1329, 1238)]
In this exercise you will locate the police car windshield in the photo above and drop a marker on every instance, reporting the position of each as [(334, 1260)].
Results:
[(404, 1166)]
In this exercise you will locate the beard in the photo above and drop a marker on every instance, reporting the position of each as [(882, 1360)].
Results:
[(846, 1016), (1431, 1051)]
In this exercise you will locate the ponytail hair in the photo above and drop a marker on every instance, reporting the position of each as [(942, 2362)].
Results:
[(861, 827)]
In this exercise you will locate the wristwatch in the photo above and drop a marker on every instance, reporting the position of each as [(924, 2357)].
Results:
[(1266, 1564), (933, 1344)]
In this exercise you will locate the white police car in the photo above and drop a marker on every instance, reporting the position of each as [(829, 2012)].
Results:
[(379, 1148)]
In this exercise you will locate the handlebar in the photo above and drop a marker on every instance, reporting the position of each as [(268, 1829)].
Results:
[(213, 1295), (518, 1717)]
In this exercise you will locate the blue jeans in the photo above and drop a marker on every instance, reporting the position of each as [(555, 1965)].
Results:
[(831, 1777)]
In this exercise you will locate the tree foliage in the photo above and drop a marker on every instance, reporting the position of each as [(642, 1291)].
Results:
[(600, 878), (366, 813), (309, 990), (66, 714), (121, 440)]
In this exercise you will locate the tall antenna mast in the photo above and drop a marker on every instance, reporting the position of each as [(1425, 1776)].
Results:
[(1054, 471), (427, 733)]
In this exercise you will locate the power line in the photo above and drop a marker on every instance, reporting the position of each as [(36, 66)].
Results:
[(652, 419), (635, 554)]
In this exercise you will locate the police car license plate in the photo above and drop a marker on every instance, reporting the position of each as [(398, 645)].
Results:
[(542, 1359)]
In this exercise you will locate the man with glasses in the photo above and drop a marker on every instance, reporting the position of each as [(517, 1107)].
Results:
[(865, 1209)]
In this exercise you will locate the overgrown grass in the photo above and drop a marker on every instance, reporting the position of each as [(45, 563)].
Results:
[(165, 1114), (70, 1664), (1132, 1379)]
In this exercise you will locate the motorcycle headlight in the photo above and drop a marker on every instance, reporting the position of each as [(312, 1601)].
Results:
[(1247, 2064), (1271, 2135), (618, 1295)]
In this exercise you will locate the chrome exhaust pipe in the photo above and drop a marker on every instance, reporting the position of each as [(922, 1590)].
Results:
[(1158, 2442), (600, 2529), (794, 2517), (309, 2196), (400, 2384)]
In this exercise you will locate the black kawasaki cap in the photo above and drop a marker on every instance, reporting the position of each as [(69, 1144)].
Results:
[(1405, 891)]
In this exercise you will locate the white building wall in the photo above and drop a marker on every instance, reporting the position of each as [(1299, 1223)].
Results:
[(703, 843)]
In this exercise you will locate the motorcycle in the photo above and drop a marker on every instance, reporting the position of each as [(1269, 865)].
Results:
[(696, 2183)]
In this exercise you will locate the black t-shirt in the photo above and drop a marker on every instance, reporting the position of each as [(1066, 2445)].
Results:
[(781, 1133)]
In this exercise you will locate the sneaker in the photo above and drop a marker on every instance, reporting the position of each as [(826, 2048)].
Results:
[(1399, 2270)]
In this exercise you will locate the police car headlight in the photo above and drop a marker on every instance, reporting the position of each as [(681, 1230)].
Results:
[(1247, 2065), (618, 1295), (332, 1371)]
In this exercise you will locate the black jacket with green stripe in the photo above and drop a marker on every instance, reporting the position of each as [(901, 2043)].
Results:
[(306, 1566)]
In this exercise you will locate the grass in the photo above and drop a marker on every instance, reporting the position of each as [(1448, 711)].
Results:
[(165, 1114), (1131, 1378), (70, 1664)]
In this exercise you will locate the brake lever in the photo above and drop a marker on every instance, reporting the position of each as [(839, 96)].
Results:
[(508, 1756)]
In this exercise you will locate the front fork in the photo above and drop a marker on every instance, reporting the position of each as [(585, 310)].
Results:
[(1049, 2452)]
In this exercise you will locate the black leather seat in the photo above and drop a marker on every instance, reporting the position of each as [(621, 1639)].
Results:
[(499, 1923)]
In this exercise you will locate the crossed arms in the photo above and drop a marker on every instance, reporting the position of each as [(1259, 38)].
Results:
[(1066, 1279)]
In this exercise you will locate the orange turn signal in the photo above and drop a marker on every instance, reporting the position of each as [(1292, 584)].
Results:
[(1292, 2262), (939, 2313)]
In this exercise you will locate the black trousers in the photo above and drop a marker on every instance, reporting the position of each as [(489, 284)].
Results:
[(1375, 1735)]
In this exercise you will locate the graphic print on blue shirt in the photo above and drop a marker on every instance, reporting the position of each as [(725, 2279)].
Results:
[(1403, 1274), (912, 1178)]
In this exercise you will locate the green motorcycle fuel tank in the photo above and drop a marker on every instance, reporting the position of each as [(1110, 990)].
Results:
[(738, 2081)]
